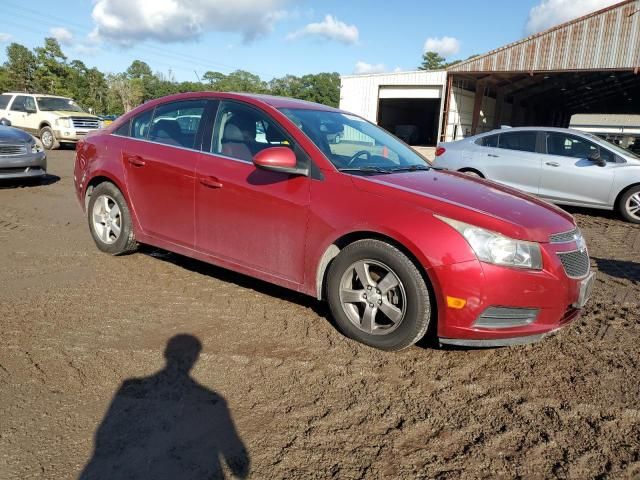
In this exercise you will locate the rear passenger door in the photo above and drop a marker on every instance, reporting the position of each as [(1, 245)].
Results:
[(159, 158), (512, 158)]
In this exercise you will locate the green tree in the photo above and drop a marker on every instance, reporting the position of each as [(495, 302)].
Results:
[(432, 61), (52, 72), (20, 68)]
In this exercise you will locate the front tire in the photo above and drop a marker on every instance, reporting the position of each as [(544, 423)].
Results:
[(377, 296), (629, 205), (110, 220), (48, 139)]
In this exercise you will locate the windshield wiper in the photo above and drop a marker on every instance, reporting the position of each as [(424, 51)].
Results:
[(366, 169), (412, 168)]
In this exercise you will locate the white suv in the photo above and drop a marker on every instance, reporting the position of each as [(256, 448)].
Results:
[(54, 119)]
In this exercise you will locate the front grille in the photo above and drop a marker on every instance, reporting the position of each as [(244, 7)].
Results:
[(576, 264), (8, 150), (85, 122), (564, 237)]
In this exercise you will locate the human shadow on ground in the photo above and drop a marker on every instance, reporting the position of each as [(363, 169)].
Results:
[(167, 426)]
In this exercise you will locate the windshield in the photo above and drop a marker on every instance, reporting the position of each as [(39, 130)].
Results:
[(50, 104), (616, 148), (353, 144)]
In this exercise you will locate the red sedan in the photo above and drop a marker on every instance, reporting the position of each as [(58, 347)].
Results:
[(323, 202)]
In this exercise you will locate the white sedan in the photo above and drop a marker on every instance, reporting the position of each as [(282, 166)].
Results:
[(562, 166)]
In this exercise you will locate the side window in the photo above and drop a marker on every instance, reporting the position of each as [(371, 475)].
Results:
[(30, 103), (241, 132), (521, 141), (18, 104), (123, 129), (177, 123), (488, 141), (4, 101), (140, 124), (576, 147)]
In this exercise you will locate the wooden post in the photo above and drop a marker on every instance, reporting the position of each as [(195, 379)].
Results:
[(497, 118)]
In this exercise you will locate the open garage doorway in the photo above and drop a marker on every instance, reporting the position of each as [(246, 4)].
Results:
[(414, 120)]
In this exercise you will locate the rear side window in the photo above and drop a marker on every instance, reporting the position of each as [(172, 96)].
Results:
[(488, 141), (177, 123), (4, 101), (521, 141), (18, 104), (140, 124)]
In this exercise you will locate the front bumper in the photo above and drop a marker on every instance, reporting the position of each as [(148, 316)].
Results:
[(485, 287), (71, 135), (23, 166)]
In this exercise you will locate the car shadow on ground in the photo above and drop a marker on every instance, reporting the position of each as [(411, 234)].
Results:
[(167, 426), (593, 212), (320, 308), (45, 180), (624, 269)]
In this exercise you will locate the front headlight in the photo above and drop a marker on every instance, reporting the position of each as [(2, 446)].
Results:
[(64, 122), (491, 247), (35, 146)]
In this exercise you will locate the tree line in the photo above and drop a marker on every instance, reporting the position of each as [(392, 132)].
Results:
[(47, 70)]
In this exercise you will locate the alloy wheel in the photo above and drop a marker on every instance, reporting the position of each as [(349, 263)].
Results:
[(373, 297), (633, 206), (107, 219)]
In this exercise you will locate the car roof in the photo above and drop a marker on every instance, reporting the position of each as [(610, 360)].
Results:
[(255, 98), (528, 129), (35, 94)]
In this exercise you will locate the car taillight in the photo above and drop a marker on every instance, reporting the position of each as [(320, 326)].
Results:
[(440, 151)]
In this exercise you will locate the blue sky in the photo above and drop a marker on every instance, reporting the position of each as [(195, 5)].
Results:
[(276, 37)]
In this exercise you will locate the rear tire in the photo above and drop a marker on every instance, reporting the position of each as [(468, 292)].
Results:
[(48, 139), (390, 309), (110, 220), (629, 205)]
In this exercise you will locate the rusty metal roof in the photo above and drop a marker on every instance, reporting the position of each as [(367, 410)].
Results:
[(606, 39)]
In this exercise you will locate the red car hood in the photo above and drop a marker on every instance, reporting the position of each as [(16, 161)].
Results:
[(475, 201)]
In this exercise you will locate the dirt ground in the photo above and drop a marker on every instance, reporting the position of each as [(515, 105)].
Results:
[(276, 391)]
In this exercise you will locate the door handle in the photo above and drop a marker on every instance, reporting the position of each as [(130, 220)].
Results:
[(211, 182), (135, 160), (552, 164), (492, 155)]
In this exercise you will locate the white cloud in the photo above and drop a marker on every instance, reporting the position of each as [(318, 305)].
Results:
[(330, 29), (554, 12), (5, 37), (364, 68), (445, 46), (128, 21), (63, 35)]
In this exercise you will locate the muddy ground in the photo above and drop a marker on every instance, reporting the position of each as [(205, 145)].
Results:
[(277, 392)]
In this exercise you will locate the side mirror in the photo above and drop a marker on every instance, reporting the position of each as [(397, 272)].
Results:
[(279, 159), (5, 122), (597, 159)]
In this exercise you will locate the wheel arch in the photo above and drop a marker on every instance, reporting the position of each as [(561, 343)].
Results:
[(97, 180), (616, 203), (474, 170), (338, 244), (43, 124)]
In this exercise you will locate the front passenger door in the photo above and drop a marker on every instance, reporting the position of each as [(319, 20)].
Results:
[(569, 176)]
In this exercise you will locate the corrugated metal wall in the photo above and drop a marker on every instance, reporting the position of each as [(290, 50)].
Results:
[(608, 39)]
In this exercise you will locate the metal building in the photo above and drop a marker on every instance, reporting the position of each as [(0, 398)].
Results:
[(588, 65)]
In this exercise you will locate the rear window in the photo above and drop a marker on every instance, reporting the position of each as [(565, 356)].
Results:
[(4, 101)]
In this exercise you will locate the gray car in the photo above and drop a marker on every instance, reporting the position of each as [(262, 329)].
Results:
[(21, 155), (562, 166)]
